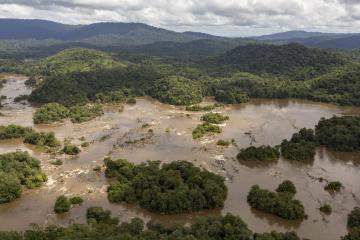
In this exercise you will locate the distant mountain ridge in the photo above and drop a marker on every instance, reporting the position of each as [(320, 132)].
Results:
[(315, 39), (110, 33), (119, 34), (293, 35)]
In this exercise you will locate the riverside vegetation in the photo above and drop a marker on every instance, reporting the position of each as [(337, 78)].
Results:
[(101, 225), (176, 187), (209, 126), (308, 74), (337, 133), (54, 112), (30, 136), (281, 203), (74, 81), (18, 170)]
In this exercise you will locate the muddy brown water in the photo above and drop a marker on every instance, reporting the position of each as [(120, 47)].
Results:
[(257, 122)]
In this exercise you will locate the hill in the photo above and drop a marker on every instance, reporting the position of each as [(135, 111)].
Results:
[(33, 29), (292, 61), (72, 60), (348, 42), (315, 39), (290, 35), (106, 33), (197, 48)]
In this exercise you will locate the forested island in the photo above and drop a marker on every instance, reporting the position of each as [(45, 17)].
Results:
[(281, 203), (18, 170), (176, 187)]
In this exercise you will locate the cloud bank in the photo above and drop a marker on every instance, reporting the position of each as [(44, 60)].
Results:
[(223, 17)]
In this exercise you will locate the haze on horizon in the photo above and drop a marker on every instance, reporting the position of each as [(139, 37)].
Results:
[(218, 17)]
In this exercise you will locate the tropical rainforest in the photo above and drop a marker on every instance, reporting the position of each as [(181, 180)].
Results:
[(78, 76), (176, 187), (76, 71)]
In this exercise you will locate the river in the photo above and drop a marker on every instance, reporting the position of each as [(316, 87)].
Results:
[(257, 122)]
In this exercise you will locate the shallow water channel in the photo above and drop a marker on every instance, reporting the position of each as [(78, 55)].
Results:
[(257, 122)]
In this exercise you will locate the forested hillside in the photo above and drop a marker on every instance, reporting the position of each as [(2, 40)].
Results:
[(292, 61), (78, 76)]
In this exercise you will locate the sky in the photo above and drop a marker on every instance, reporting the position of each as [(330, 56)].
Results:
[(219, 17)]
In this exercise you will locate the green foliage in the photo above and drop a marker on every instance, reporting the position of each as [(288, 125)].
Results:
[(292, 61), (354, 218), (339, 133), (49, 113), (326, 208), (354, 234), (340, 86), (231, 96), (102, 226), (111, 97), (97, 169), (29, 136), (21, 98), (99, 215), (262, 153), (131, 101), (10, 187), (333, 186), (14, 131), (85, 144), (75, 60), (205, 128), (57, 162), (54, 112), (80, 114), (177, 90), (280, 204), (286, 187), (71, 149), (214, 118), (81, 87), (42, 139), (301, 146), (224, 143), (176, 187), (276, 236), (17, 169), (62, 205), (198, 108), (27, 169), (76, 200)]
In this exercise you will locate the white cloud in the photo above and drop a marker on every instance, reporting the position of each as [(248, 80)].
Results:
[(226, 17)]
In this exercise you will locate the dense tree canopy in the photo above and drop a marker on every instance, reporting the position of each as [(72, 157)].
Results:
[(102, 226), (214, 118), (18, 169), (176, 187), (280, 204), (301, 146), (339, 133), (10, 187), (55, 112), (262, 153), (177, 90), (354, 218), (49, 113), (62, 205), (292, 61), (29, 135), (202, 129), (286, 187), (333, 186), (276, 236)]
